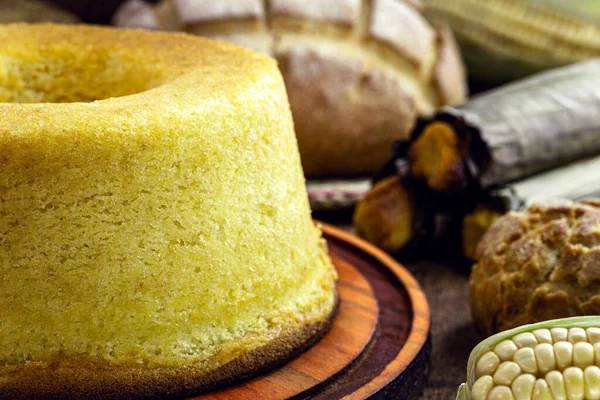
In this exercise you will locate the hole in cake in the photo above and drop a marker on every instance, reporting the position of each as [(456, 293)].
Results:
[(57, 76)]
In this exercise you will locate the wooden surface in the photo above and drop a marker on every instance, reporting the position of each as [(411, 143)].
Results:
[(378, 346), (397, 363)]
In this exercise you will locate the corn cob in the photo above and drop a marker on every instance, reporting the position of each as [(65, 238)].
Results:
[(506, 39), (558, 359), (465, 155), (475, 225), (509, 133), (391, 215)]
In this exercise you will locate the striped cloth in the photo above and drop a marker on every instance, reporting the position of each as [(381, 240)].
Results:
[(328, 194)]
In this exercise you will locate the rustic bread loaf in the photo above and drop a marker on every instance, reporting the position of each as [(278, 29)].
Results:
[(537, 265), (33, 11), (357, 72)]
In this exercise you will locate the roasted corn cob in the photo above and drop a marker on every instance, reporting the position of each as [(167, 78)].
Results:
[(391, 215), (558, 359), (509, 133), (503, 40), (530, 140)]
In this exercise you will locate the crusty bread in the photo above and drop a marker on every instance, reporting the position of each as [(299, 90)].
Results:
[(33, 11), (357, 72), (154, 220), (536, 265)]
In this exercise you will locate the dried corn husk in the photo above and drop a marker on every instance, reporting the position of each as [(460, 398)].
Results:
[(523, 128), (503, 40), (576, 181)]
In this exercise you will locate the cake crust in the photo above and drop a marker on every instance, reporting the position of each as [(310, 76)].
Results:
[(85, 379)]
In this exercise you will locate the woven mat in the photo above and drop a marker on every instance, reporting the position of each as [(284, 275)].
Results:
[(453, 335), (336, 194)]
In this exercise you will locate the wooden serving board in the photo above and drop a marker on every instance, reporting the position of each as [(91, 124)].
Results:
[(378, 346)]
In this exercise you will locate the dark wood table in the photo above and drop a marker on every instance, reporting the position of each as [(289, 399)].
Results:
[(453, 335)]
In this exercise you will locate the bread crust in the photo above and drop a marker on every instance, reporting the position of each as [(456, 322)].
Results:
[(88, 379), (538, 265), (449, 72), (34, 11), (400, 26), (370, 107), (197, 11), (137, 13), (338, 11)]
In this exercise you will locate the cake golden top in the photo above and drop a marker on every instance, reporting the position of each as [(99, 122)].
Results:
[(114, 68)]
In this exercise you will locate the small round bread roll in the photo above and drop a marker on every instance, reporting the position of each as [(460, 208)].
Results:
[(537, 265)]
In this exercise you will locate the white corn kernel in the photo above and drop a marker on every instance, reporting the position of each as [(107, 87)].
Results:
[(573, 377), (591, 376), (525, 357), (577, 335), (506, 373), (482, 387), (522, 387), (593, 335), (500, 393), (487, 364), (544, 354), (583, 354), (543, 336), (597, 353), (525, 339), (563, 351), (505, 350), (556, 383), (559, 334), (541, 391)]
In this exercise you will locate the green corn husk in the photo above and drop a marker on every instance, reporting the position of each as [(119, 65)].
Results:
[(464, 391), (503, 40), (589, 9)]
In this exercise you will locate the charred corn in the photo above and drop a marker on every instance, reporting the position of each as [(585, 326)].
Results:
[(393, 215), (558, 359), (385, 215), (507, 39), (475, 225)]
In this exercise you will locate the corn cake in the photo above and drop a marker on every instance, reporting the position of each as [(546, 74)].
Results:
[(155, 233)]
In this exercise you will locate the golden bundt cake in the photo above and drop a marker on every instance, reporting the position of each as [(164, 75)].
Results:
[(155, 234)]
